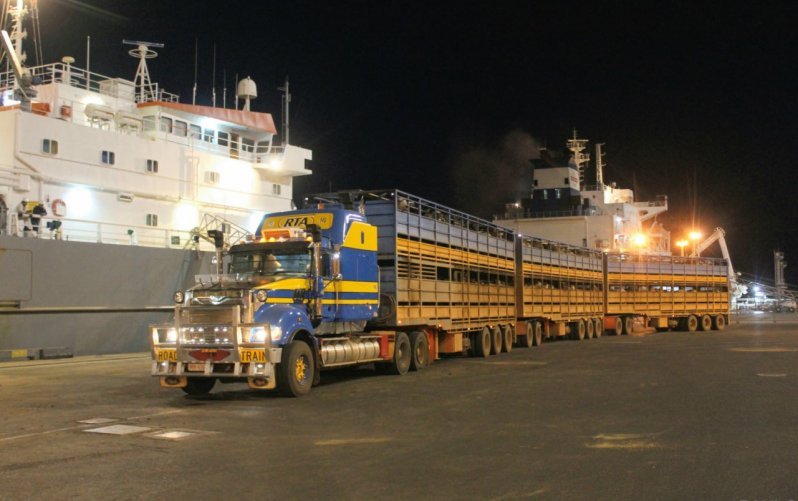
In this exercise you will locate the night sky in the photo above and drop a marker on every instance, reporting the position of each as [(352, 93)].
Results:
[(449, 100)]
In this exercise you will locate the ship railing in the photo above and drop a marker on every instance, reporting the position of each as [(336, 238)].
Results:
[(82, 230), (89, 80), (532, 214)]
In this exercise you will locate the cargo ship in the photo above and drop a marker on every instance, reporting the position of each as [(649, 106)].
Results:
[(110, 184)]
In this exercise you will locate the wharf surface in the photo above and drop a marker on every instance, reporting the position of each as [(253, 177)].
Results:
[(664, 416)]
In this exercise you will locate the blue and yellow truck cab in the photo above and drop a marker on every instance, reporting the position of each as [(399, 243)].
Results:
[(296, 299)]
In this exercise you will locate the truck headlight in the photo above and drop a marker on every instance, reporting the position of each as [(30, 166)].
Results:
[(161, 335), (257, 335), (179, 296)]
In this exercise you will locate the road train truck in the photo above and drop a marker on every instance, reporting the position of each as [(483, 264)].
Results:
[(325, 287)]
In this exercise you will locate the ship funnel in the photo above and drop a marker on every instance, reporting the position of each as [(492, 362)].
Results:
[(248, 90)]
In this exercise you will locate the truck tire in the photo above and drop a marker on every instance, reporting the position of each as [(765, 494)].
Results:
[(296, 370), (402, 355), (706, 323), (598, 327), (628, 325), (719, 323), (538, 333), (507, 338), (691, 323), (590, 328), (618, 326), (199, 386), (578, 330), (419, 344), (482, 343), (496, 340), (528, 340)]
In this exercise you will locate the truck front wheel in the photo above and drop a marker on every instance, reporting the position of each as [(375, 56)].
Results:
[(198, 386), (296, 370)]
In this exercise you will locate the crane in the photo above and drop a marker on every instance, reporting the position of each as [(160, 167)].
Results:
[(719, 235), (24, 91)]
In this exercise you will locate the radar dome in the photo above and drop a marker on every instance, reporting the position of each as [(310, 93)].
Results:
[(247, 88)]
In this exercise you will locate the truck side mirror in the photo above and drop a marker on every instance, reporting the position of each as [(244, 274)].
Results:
[(315, 232)]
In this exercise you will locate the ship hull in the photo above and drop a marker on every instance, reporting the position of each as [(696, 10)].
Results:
[(84, 298)]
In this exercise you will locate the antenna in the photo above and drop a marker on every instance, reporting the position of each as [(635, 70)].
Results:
[(286, 101), (213, 78), (224, 87), (236, 107), (599, 166), (196, 53), (143, 52)]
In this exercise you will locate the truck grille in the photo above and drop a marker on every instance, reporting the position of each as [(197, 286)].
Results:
[(205, 316)]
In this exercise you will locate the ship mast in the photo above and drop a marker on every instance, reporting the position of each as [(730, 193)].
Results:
[(579, 158), (143, 83)]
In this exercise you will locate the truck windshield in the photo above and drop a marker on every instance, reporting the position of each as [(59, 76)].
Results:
[(271, 262)]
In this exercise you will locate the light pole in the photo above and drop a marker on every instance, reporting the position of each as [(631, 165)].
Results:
[(681, 244)]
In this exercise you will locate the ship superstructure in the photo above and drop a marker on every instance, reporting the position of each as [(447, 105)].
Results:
[(123, 161), (569, 202)]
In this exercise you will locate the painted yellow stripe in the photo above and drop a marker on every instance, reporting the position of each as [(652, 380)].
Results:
[(288, 300), (352, 286), (559, 271), (665, 278), (287, 284), (338, 286), (446, 254)]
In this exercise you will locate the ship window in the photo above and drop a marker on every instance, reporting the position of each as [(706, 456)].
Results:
[(196, 131), (150, 122), (152, 219), (223, 138), (276, 188), (108, 157), (565, 180), (557, 193), (50, 146), (247, 144), (152, 166), (209, 135), (180, 128), (545, 194), (166, 124)]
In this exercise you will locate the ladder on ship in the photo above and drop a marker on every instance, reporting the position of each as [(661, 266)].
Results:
[(233, 233)]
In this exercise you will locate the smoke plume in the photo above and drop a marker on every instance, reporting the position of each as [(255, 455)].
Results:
[(487, 177)]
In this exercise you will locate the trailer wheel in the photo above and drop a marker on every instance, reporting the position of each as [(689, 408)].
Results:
[(507, 338), (420, 350), (691, 323), (719, 323), (296, 371), (496, 341), (598, 327), (706, 323), (198, 386), (528, 339), (618, 326), (628, 325), (482, 343), (538, 333), (590, 328), (581, 330)]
